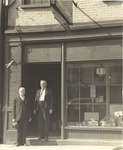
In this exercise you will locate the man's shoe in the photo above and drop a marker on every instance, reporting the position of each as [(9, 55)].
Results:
[(18, 144), (40, 139), (46, 139)]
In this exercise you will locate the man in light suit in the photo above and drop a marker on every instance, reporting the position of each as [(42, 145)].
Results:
[(21, 116), (43, 108)]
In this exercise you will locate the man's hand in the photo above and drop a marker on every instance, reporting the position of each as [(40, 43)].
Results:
[(34, 111), (30, 119), (50, 111), (14, 123), (13, 120)]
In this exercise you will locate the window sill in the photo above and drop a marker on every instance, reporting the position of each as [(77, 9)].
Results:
[(108, 1), (98, 128), (33, 6)]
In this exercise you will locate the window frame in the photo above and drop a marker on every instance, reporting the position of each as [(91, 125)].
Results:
[(45, 4), (107, 84)]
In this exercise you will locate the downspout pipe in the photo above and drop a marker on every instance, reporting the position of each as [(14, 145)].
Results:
[(2, 28)]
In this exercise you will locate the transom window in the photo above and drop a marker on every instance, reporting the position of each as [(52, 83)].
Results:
[(34, 1)]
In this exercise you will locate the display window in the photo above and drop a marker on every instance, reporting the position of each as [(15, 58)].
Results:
[(94, 93)]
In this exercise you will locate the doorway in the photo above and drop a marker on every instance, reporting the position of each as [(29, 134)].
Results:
[(32, 74)]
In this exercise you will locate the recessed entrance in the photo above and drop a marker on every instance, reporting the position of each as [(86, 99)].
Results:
[(32, 74)]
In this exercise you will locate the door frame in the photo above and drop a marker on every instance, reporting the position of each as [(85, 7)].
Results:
[(54, 69)]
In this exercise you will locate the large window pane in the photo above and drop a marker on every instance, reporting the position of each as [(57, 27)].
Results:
[(90, 95), (116, 85)]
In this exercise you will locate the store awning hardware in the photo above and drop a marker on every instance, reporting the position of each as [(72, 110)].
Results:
[(62, 15), (8, 65)]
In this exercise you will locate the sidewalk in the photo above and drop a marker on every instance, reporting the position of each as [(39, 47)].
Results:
[(57, 147)]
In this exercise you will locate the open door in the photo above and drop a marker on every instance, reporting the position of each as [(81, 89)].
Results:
[(32, 74)]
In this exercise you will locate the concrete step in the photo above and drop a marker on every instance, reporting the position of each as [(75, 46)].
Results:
[(36, 141), (55, 140), (105, 142)]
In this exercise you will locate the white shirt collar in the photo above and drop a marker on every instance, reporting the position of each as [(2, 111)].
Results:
[(22, 97)]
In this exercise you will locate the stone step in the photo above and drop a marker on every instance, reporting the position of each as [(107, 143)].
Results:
[(105, 142), (55, 140), (36, 141)]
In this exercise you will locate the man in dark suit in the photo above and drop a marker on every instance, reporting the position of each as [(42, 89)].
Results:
[(43, 108), (21, 116)]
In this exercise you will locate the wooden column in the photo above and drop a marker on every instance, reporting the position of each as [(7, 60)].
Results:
[(62, 91)]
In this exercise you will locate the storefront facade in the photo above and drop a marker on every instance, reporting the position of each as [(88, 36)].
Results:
[(85, 74), (83, 67)]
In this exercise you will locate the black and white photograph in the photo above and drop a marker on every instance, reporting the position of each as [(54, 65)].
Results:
[(61, 74)]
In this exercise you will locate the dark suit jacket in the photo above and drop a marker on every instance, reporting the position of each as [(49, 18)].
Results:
[(47, 102), (21, 109)]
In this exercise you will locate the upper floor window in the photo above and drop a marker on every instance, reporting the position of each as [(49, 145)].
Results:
[(34, 1)]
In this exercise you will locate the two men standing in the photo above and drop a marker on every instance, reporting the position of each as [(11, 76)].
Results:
[(42, 108)]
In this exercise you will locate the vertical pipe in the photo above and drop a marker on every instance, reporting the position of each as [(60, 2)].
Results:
[(107, 93), (62, 90), (2, 17), (79, 96), (93, 84)]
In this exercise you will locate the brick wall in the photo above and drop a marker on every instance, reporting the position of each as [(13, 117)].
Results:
[(38, 16), (97, 9)]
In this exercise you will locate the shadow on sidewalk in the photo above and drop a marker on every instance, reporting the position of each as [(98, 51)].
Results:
[(37, 142)]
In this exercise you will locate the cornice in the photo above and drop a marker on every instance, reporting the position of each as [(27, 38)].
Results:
[(61, 35), (59, 28)]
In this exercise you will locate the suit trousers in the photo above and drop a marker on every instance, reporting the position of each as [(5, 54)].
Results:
[(43, 120), (21, 132)]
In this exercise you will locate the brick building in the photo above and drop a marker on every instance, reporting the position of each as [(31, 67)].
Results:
[(80, 60)]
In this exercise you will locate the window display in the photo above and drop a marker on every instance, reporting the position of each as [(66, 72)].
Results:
[(90, 89)]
